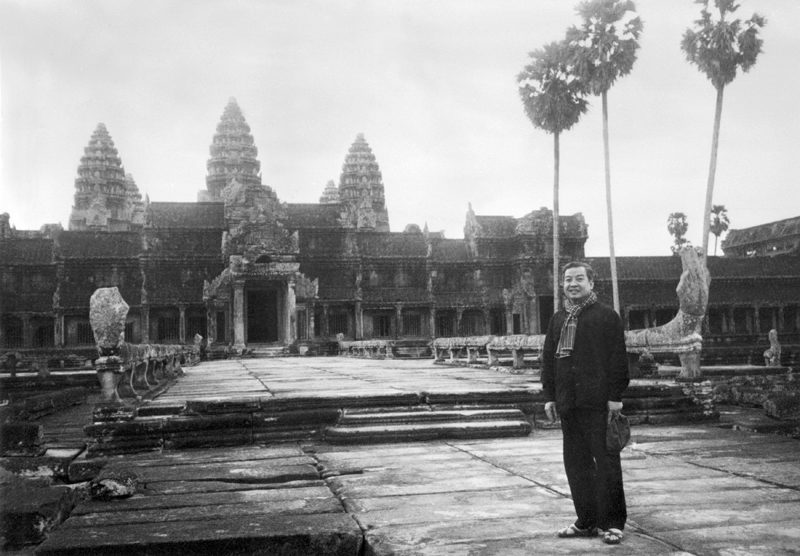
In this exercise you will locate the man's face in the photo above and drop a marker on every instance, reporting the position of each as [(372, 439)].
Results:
[(577, 285)]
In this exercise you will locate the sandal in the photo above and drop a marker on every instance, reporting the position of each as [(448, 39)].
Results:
[(612, 536), (574, 531)]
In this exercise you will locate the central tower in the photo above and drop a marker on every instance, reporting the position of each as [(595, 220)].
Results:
[(233, 155)]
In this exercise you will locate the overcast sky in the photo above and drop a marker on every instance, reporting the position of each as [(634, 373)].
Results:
[(431, 84)]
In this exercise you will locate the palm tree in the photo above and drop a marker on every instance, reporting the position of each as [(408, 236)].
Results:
[(604, 48), (718, 48), (718, 223), (677, 225), (553, 100)]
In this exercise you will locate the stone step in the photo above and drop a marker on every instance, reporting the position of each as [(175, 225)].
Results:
[(427, 416), (413, 432)]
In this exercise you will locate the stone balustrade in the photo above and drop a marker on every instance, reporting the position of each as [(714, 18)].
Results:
[(367, 348), (130, 371)]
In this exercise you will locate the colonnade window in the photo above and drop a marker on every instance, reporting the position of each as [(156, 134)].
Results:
[(381, 326), (12, 331), (221, 330), (412, 324), (337, 323), (84, 333), (444, 326), (471, 324), (302, 325)]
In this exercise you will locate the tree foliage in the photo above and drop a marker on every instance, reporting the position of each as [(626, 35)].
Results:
[(604, 47), (718, 222), (677, 226), (550, 90), (719, 47)]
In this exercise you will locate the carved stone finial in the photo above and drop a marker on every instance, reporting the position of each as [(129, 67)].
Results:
[(107, 313), (772, 357)]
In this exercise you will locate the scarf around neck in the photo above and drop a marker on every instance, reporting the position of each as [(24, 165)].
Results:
[(567, 340)]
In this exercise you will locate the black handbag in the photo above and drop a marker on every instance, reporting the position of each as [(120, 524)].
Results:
[(618, 432)]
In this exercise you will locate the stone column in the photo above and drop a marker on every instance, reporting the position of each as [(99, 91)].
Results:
[(487, 328), (398, 317), (291, 313), (432, 322), (27, 331), (359, 316), (756, 328), (145, 313), (509, 314), (238, 315), (312, 309), (211, 324), (781, 324), (459, 314), (181, 324), (58, 329), (731, 321), (324, 327)]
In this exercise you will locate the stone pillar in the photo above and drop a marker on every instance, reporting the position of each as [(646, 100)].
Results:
[(459, 314), (324, 327), (781, 324), (312, 309), (432, 322), (27, 331), (756, 327), (359, 316), (731, 321), (238, 315), (211, 324), (487, 329), (509, 313), (291, 313), (145, 312), (181, 324), (58, 329), (398, 317)]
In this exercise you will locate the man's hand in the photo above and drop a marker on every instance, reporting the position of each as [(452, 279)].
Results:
[(614, 408), (550, 410)]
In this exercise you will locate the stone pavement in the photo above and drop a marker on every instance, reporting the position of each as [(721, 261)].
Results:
[(698, 489)]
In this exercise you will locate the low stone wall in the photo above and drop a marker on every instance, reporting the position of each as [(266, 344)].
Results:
[(383, 349)]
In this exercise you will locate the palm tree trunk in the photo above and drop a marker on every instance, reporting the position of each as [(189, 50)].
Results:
[(612, 256), (556, 273), (712, 170)]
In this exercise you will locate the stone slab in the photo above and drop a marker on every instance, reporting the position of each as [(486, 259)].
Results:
[(172, 488), (331, 534), (28, 514)]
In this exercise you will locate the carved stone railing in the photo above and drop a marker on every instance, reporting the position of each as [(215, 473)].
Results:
[(130, 372), (681, 336), (366, 348)]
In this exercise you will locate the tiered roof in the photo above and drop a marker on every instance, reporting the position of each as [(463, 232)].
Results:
[(361, 184), (104, 196), (330, 194), (233, 153)]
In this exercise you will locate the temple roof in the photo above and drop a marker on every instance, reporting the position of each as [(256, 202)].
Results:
[(312, 215), (764, 232), (23, 251), (450, 250), (496, 226), (392, 245), (720, 268), (186, 215), (99, 245)]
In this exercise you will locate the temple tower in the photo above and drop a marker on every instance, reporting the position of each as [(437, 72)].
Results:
[(361, 189), (233, 155), (105, 199), (330, 195)]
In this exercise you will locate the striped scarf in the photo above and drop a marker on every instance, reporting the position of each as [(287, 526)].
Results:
[(567, 340)]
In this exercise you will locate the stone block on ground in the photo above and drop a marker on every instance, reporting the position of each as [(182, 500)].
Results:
[(21, 439), (29, 513), (114, 482)]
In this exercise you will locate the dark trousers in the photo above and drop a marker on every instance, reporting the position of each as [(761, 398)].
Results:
[(594, 475)]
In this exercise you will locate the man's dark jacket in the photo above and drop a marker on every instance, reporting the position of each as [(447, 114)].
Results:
[(597, 370)]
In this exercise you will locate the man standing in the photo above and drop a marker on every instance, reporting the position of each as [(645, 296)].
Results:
[(584, 372)]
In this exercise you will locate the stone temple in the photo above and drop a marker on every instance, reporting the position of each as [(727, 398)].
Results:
[(246, 270)]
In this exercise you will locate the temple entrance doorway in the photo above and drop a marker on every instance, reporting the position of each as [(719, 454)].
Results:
[(262, 316)]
